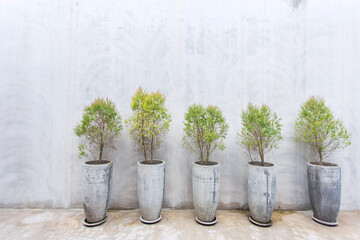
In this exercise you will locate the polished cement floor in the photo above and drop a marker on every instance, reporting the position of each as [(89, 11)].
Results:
[(176, 224)]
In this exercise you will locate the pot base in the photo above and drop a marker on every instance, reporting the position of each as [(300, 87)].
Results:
[(331, 224), (206, 223), (259, 223), (150, 222), (93, 224)]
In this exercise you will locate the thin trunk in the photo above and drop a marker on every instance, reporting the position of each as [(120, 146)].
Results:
[(143, 145), (100, 152), (320, 155), (261, 151), (318, 149), (151, 148), (101, 141), (143, 139), (207, 155), (199, 139)]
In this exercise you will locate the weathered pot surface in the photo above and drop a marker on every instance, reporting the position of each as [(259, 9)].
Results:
[(206, 186), (324, 185), (96, 186), (261, 186), (150, 188)]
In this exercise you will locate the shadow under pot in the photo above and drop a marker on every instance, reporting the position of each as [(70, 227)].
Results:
[(324, 185), (150, 188), (96, 186), (261, 187), (206, 186)]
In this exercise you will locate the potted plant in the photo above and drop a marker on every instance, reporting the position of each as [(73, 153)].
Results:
[(99, 127), (147, 126), (260, 133), (205, 131), (317, 127)]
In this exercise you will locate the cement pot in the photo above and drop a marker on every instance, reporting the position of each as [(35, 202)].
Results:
[(96, 186), (261, 192), (150, 188), (206, 186), (324, 185)]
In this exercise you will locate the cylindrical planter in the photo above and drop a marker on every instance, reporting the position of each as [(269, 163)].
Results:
[(150, 188), (96, 186), (261, 192), (324, 185), (206, 186)]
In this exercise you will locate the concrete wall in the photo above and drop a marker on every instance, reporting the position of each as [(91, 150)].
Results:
[(57, 56)]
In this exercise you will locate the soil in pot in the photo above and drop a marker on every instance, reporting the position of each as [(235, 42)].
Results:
[(153, 162)]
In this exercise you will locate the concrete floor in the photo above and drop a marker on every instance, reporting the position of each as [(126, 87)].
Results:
[(176, 224)]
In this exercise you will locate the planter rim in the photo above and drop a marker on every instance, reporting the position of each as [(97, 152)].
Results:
[(322, 166), (273, 165), (206, 166), (103, 162), (151, 165)]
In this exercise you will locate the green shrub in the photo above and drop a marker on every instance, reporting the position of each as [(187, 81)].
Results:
[(150, 121), (317, 127), (100, 125), (261, 131), (205, 130)]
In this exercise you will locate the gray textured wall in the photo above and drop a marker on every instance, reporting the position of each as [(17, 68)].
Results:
[(56, 56)]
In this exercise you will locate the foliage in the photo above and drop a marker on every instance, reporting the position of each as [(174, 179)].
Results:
[(100, 125), (205, 130), (261, 131), (149, 122), (317, 127)]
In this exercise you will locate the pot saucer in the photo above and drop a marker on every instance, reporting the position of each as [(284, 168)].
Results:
[(206, 223), (150, 222), (331, 224), (259, 223), (93, 224)]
